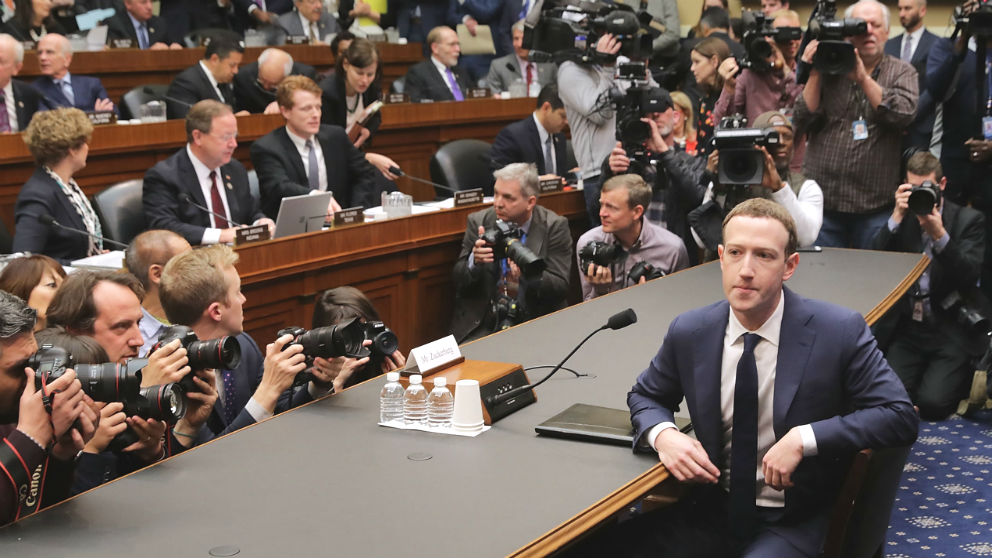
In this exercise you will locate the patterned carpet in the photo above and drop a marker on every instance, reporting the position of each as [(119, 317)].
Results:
[(944, 505)]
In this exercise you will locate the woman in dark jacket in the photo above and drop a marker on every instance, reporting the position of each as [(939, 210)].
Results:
[(32, 20), (352, 88)]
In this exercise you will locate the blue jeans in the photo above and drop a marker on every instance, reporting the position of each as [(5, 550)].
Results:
[(851, 230)]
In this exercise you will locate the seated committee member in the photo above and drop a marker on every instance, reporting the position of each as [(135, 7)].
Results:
[(782, 392), (34, 279), (61, 87), (204, 173), (138, 23), (929, 349), (493, 294), (255, 83), (309, 19), (306, 156), (438, 78), (515, 66), (622, 203), (18, 100), (145, 258), (536, 139), (201, 289), (58, 140), (209, 78), (352, 87), (39, 446)]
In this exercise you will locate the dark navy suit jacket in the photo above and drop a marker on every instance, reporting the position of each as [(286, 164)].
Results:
[(28, 101), (192, 85), (919, 132), (85, 89), (120, 27), (830, 375), (520, 142), (423, 81), (41, 195)]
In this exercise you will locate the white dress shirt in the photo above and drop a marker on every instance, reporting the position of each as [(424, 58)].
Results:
[(213, 82), (8, 97), (443, 70), (549, 166), (210, 234), (916, 35), (304, 152)]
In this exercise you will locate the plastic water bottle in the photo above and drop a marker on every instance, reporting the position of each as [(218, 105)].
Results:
[(440, 404), (415, 401), (391, 399)]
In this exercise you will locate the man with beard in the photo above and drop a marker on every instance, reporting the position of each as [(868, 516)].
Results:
[(913, 46)]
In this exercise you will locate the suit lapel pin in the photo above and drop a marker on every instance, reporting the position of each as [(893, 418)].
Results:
[(151, 29), (227, 178), (20, 104)]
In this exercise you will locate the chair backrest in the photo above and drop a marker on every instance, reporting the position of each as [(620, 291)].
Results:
[(253, 184), (6, 240), (132, 100), (862, 511), (398, 85), (462, 165), (120, 211)]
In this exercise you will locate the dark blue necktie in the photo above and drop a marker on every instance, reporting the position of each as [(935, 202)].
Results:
[(744, 443), (230, 395)]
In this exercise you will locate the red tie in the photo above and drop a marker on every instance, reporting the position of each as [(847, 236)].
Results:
[(217, 202), (530, 75)]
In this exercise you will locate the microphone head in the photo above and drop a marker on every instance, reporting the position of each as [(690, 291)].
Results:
[(184, 197), (622, 319), (47, 219)]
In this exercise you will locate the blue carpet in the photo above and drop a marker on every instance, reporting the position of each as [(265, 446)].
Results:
[(944, 504)]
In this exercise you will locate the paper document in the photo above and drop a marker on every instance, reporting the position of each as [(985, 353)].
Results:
[(481, 43)]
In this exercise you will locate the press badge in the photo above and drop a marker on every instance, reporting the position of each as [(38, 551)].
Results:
[(987, 127), (918, 310), (860, 130)]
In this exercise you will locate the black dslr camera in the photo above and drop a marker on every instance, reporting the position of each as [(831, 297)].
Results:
[(966, 314), (757, 50), (603, 254), (504, 238), (834, 55), (638, 102), (224, 352), (343, 339), (384, 343), (923, 198), (978, 22), (741, 163), (506, 312), (645, 270)]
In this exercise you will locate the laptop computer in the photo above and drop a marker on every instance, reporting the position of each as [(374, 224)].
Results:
[(592, 423), (302, 214)]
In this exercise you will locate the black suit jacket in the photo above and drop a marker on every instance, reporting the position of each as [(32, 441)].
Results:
[(956, 268), (193, 85), (119, 27), (28, 100), (250, 96), (335, 103), (169, 179), (41, 195), (520, 142), (919, 132), (281, 172), (424, 82)]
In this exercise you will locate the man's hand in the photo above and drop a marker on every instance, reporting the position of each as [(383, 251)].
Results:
[(654, 143), (173, 46), (728, 70), (269, 223), (394, 361), (771, 178), (482, 253), (685, 457), (902, 202), (112, 423), (72, 441), (363, 134), (512, 271), (166, 364), (382, 163), (713, 161), (608, 44), (282, 364), (148, 448), (335, 372), (619, 162), (271, 108), (932, 223), (782, 459), (104, 105), (599, 275), (858, 74), (199, 402), (332, 207), (979, 150), (227, 235), (471, 25), (160, 46), (809, 53)]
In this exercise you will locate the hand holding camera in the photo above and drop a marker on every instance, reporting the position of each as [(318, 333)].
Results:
[(482, 253), (619, 162), (199, 403), (771, 179), (598, 275), (283, 361), (149, 433), (728, 70), (45, 414), (167, 363)]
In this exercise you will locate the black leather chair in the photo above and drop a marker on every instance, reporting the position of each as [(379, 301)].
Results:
[(120, 211), (6, 240), (132, 100), (462, 165)]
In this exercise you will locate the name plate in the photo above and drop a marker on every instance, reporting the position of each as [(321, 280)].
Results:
[(394, 98), (434, 355), (350, 216), (479, 93), (101, 118), (297, 40), (254, 233), (549, 185), (468, 197), (122, 43)]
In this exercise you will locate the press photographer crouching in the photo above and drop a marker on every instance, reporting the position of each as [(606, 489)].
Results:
[(515, 259), (626, 249), (43, 427), (936, 330)]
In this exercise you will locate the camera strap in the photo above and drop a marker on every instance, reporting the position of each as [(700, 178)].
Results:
[(27, 484)]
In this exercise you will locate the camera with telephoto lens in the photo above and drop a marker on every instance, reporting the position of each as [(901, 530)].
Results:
[(966, 314), (504, 238), (384, 343), (560, 30), (638, 102), (977, 22), (506, 312), (645, 270), (923, 198), (741, 163), (343, 339), (834, 55), (221, 353), (603, 254)]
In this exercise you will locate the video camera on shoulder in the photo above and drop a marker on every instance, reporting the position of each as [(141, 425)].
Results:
[(741, 163), (834, 55), (923, 198), (221, 353), (504, 238), (757, 27), (978, 21), (560, 30), (603, 254)]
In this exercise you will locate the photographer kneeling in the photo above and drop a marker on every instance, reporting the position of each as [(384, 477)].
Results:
[(626, 249), (515, 259)]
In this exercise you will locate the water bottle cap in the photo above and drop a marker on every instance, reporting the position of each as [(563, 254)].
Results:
[(392, 376), (416, 379), (440, 382)]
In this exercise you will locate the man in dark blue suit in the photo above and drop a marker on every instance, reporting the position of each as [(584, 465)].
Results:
[(203, 173), (138, 23), (18, 100), (781, 390), (62, 88), (913, 46), (536, 139), (438, 78), (210, 78)]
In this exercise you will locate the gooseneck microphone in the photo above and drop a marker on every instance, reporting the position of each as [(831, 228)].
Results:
[(188, 199), (152, 93), (50, 221), (619, 320), (399, 172)]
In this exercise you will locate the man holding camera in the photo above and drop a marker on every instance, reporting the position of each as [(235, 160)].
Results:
[(931, 349), (498, 282), (641, 250), (854, 123), (43, 428)]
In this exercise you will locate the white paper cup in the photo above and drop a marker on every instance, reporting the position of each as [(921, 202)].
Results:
[(467, 415)]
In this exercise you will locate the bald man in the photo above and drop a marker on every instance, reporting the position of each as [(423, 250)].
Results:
[(255, 84), (145, 258), (62, 88)]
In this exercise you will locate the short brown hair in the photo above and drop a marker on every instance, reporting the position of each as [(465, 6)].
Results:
[(83, 348), (361, 53), (766, 209), (194, 280), (290, 85), (923, 163), (201, 116), (22, 275), (73, 307), (341, 303), (52, 133), (638, 192)]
